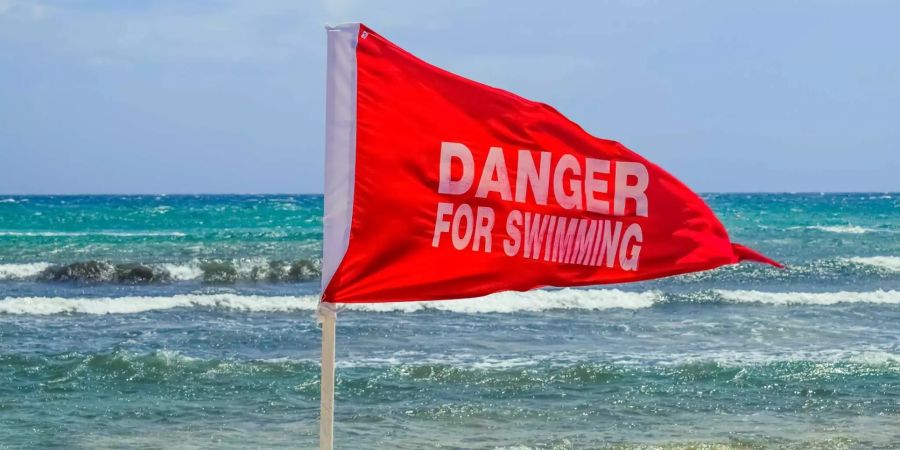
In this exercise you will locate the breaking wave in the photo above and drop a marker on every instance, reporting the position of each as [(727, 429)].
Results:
[(360, 377), (207, 271), (265, 270), (838, 269), (809, 298), (841, 229), (22, 271), (139, 304), (891, 263), (504, 302)]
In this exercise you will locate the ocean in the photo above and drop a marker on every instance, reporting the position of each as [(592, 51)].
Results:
[(188, 322)]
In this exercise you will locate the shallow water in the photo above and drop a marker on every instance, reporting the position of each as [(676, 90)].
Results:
[(187, 322)]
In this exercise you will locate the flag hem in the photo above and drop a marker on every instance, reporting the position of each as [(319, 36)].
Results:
[(340, 145)]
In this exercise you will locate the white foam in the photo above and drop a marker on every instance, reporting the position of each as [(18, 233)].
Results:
[(174, 356), (730, 357), (875, 358), (8, 200), (136, 304), (842, 229), (183, 272), (891, 263), (506, 302), (487, 362), (246, 266), (810, 298), (531, 301), (725, 357), (22, 271)]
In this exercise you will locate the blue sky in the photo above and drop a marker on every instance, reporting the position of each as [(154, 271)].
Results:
[(228, 96)]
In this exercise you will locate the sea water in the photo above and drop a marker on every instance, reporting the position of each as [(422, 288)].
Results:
[(187, 322)]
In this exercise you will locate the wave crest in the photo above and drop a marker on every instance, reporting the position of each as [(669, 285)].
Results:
[(231, 271), (502, 303), (809, 298), (23, 271), (840, 229), (890, 263)]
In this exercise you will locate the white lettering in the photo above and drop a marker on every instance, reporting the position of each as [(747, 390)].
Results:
[(450, 151), (460, 241), (440, 224), (513, 243), (483, 228), (633, 232), (593, 185), (624, 191), (567, 163), (528, 175)]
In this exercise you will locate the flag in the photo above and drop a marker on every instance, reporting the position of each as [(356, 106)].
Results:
[(440, 187)]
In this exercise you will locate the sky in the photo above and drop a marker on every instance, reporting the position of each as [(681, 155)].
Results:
[(227, 96)]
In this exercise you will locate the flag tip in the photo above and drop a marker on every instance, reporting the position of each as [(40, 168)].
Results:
[(748, 254)]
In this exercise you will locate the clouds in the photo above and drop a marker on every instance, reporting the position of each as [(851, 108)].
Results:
[(170, 32), (227, 95), (228, 31)]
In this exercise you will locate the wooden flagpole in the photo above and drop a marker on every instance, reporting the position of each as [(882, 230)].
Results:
[(328, 318)]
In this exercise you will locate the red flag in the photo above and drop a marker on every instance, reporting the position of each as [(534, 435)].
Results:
[(440, 187)]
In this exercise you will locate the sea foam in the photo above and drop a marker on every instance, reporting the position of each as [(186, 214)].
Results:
[(138, 304), (842, 229), (504, 302), (22, 271), (530, 301), (891, 263), (810, 298), (183, 272)]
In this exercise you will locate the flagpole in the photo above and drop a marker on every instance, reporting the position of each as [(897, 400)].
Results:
[(328, 318)]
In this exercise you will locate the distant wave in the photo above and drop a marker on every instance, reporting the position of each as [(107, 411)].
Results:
[(891, 263), (504, 302), (22, 271), (841, 229), (820, 270), (386, 374), (139, 304), (93, 233), (8, 200), (273, 270), (229, 271), (809, 298), (530, 301), (864, 357)]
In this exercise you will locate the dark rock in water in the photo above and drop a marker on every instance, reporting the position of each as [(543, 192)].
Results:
[(85, 271), (135, 273), (218, 272)]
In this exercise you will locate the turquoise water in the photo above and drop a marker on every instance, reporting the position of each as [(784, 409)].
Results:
[(187, 322)]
